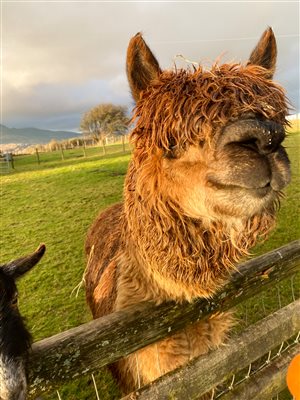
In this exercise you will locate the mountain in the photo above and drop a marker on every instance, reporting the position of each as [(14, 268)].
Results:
[(32, 135)]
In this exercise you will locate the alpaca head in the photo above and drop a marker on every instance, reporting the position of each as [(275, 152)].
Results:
[(208, 143), (15, 339)]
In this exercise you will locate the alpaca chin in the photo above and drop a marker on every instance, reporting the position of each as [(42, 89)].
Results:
[(185, 258)]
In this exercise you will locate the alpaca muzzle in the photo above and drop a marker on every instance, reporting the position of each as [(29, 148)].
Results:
[(261, 136), (249, 155)]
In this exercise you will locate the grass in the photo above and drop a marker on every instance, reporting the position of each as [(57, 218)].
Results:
[(55, 202), (56, 206)]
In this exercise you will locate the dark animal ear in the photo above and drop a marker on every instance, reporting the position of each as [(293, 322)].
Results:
[(18, 267), (141, 66), (265, 52)]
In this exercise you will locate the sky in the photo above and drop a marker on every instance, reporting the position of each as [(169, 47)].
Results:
[(60, 58)]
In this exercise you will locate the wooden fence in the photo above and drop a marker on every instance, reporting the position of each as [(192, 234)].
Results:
[(87, 348), (6, 163)]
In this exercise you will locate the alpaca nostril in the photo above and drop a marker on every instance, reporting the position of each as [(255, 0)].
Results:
[(261, 136), (250, 144), (259, 144), (269, 137)]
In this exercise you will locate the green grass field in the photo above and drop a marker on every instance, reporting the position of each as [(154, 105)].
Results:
[(54, 203)]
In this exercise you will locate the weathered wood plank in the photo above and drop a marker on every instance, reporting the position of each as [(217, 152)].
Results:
[(267, 383), (88, 347), (205, 372)]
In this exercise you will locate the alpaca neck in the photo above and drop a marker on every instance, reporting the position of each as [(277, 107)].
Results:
[(182, 256)]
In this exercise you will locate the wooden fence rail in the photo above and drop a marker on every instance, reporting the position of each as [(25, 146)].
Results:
[(87, 348), (267, 383), (205, 372)]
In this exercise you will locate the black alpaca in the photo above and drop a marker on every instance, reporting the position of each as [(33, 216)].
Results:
[(15, 340)]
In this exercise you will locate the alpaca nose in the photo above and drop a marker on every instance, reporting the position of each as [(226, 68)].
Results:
[(262, 136)]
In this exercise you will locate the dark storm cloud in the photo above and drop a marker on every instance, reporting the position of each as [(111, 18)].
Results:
[(60, 59)]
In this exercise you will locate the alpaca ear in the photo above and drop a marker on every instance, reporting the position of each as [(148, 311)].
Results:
[(141, 67), (265, 52)]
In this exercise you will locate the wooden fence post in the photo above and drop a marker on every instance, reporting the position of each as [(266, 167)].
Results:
[(62, 152), (4, 165), (84, 149), (104, 146), (37, 155), (12, 161), (123, 143)]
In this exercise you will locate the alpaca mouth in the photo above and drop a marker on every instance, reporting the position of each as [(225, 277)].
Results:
[(263, 191), (242, 169), (259, 191)]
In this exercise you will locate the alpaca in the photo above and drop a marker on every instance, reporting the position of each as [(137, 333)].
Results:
[(202, 187), (15, 340)]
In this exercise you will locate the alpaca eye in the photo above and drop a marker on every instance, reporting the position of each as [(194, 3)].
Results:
[(172, 152)]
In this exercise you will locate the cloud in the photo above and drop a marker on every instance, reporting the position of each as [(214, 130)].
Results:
[(47, 101), (62, 58)]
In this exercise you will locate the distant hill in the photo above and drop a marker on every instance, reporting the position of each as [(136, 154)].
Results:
[(32, 135)]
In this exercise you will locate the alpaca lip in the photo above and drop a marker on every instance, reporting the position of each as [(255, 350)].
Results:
[(261, 191)]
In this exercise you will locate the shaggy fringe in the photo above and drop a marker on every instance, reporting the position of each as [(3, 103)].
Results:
[(186, 107)]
